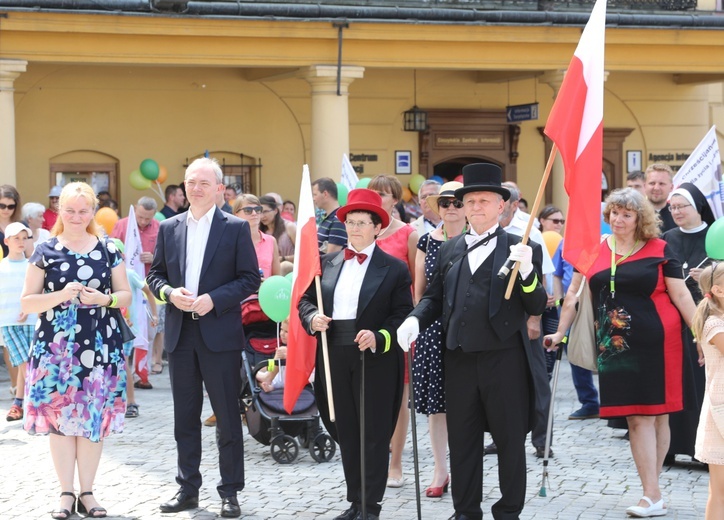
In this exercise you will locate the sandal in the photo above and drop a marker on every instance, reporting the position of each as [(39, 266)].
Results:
[(64, 514), (94, 512), (155, 370), (14, 414), (132, 411)]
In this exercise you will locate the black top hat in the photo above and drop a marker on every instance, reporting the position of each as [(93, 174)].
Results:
[(482, 177)]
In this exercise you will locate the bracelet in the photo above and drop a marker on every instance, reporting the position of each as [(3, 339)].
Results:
[(113, 300)]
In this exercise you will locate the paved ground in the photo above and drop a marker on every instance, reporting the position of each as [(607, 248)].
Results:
[(591, 477)]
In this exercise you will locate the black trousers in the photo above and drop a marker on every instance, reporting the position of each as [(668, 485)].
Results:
[(383, 387), (191, 366), (540, 375), (487, 391)]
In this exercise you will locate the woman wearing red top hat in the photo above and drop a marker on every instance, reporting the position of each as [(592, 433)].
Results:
[(366, 296)]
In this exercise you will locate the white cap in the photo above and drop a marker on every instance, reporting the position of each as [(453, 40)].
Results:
[(16, 227), (55, 191)]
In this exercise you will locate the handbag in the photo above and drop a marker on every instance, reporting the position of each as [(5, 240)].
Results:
[(126, 331), (581, 346)]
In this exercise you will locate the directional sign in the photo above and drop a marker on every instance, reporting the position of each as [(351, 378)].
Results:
[(518, 113)]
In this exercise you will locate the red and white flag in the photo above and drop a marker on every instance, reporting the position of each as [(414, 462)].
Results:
[(575, 125), (137, 310), (301, 346)]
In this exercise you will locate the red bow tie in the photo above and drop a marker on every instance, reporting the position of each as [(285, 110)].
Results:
[(349, 254)]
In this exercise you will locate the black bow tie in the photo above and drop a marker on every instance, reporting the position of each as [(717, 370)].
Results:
[(350, 254)]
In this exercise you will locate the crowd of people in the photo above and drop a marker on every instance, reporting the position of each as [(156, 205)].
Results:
[(427, 291)]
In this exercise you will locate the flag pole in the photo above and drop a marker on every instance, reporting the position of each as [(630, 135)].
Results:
[(325, 353), (533, 212)]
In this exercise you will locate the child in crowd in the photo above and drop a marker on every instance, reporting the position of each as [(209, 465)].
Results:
[(708, 327), (17, 328), (136, 282), (274, 379)]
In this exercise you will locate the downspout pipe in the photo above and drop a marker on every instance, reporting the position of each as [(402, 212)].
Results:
[(366, 13)]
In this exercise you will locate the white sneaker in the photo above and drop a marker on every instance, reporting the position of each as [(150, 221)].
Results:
[(656, 509)]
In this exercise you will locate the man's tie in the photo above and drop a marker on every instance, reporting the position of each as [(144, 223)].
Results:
[(471, 240), (349, 254)]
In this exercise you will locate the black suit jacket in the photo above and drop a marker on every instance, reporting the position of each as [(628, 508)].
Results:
[(508, 317), (229, 274), (384, 300)]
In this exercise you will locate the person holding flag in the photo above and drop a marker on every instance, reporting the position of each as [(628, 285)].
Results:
[(366, 295)]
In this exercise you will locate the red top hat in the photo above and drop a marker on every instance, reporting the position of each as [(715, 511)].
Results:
[(362, 199)]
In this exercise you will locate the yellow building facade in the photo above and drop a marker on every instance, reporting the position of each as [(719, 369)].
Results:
[(90, 92)]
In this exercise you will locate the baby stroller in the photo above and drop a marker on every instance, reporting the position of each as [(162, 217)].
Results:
[(270, 424)]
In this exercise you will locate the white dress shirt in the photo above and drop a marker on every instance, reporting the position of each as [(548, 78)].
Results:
[(197, 236), (349, 285), (481, 253), (517, 227)]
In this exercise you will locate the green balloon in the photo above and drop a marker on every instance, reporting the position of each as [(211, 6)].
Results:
[(342, 192), (275, 296), (363, 182), (138, 181), (290, 277), (149, 169), (415, 182), (159, 216), (715, 240)]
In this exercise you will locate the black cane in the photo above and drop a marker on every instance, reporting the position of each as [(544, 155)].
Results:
[(549, 428), (362, 464), (414, 434)]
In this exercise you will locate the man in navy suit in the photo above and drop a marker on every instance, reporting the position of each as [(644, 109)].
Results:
[(204, 266)]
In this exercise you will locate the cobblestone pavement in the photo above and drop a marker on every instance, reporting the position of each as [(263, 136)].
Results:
[(591, 477)]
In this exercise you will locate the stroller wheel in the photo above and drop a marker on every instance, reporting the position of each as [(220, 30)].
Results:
[(322, 448), (284, 449)]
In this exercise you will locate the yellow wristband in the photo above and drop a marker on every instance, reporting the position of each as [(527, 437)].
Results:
[(162, 292), (269, 365), (388, 340), (530, 288)]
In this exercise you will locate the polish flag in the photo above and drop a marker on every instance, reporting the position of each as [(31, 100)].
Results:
[(575, 125), (302, 347)]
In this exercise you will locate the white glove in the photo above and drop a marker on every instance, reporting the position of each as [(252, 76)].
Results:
[(522, 253), (408, 332)]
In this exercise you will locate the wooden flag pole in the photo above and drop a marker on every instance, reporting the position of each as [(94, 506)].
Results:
[(325, 353), (533, 212)]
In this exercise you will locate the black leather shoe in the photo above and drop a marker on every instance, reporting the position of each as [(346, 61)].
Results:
[(180, 502), (490, 449), (540, 452), (230, 507), (350, 514), (456, 516), (369, 516)]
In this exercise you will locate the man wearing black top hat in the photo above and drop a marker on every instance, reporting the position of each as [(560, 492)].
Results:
[(488, 356)]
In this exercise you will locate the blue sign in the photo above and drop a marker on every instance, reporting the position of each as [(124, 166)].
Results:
[(518, 113)]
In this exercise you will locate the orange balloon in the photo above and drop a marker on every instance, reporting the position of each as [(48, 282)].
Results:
[(106, 218), (552, 239), (162, 174), (406, 194)]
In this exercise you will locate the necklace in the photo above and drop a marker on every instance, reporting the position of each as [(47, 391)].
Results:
[(67, 244), (615, 262)]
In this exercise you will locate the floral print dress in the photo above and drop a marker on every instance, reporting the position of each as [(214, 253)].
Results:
[(76, 380)]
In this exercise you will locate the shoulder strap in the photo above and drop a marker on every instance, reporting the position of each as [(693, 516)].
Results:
[(462, 255)]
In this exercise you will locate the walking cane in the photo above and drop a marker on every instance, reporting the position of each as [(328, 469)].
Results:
[(362, 464), (414, 435), (549, 429)]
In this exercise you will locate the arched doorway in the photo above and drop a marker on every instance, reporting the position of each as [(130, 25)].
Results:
[(451, 168)]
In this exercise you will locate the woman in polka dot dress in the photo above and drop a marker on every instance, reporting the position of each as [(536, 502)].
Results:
[(427, 366), (76, 380)]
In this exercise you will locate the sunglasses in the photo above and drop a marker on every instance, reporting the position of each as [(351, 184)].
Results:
[(557, 220), (445, 203), (8, 206), (251, 209)]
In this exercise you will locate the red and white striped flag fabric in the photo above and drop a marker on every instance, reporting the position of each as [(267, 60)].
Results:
[(575, 125), (302, 347)]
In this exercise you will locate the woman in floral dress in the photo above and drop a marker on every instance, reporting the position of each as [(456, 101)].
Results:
[(76, 382)]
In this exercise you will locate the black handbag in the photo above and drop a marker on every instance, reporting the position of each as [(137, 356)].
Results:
[(126, 332)]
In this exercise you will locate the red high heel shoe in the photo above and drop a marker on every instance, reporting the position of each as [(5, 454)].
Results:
[(436, 492)]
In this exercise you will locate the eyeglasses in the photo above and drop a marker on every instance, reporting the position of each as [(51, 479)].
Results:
[(556, 221), (678, 208), (267, 211), (8, 206), (251, 209), (356, 223), (445, 203)]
